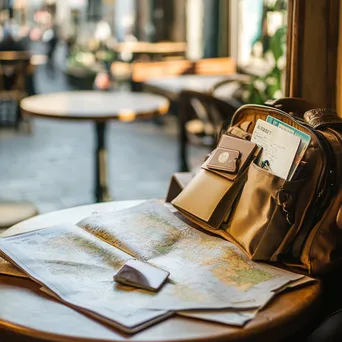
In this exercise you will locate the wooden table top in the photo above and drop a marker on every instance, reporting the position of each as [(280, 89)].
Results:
[(151, 48), (176, 84), (25, 310), (95, 105)]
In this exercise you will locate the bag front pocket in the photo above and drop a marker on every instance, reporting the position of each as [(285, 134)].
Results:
[(208, 197), (264, 213)]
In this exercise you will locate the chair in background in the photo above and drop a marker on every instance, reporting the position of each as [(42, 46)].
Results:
[(14, 68), (200, 120), (14, 72), (232, 89)]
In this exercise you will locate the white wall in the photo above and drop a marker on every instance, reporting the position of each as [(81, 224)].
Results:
[(124, 18), (194, 28)]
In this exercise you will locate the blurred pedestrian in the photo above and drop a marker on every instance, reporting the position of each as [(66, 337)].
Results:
[(9, 69), (102, 81), (10, 37), (50, 37)]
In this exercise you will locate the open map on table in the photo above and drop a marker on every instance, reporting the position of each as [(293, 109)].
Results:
[(209, 277)]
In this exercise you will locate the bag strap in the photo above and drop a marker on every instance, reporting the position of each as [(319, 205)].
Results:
[(292, 105), (317, 118)]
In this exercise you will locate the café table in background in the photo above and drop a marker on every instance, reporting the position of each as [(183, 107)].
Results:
[(171, 87), (127, 49), (99, 108), (26, 311)]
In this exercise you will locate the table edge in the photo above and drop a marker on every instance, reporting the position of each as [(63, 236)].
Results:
[(124, 116), (238, 335)]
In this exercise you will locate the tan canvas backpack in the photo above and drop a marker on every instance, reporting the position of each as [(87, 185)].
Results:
[(297, 222)]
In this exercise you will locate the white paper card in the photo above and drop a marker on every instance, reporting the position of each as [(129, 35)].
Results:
[(279, 147)]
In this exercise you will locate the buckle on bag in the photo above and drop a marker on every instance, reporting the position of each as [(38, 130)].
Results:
[(285, 200)]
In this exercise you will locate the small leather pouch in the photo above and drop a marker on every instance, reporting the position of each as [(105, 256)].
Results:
[(210, 195), (234, 165), (224, 159)]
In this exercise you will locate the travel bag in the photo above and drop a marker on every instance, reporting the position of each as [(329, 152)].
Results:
[(297, 222)]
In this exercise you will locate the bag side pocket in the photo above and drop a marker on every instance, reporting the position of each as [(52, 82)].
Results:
[(208, 197), (264, 213)]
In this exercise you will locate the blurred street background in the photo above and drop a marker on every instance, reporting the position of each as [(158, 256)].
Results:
[(128, 46)]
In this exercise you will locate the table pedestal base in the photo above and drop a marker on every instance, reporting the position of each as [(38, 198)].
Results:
[(101, 179)]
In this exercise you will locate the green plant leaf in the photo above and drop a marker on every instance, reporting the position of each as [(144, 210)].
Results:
[(255, 96), (277, 43), (280, 5)]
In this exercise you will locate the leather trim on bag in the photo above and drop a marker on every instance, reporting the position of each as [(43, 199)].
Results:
[(321, 117)]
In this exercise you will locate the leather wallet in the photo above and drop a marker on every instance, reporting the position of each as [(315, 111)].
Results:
[(211, 194), (224, 159), (246, 149)]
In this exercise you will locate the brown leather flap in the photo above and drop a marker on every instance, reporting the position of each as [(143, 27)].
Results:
[(202, 195), (179, 181), (209, 197)]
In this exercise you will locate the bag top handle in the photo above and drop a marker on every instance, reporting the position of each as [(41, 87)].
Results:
[(293, 105)]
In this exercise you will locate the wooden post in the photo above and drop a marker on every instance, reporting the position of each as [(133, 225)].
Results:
[(178, 33), (339, 67), (313, 27)]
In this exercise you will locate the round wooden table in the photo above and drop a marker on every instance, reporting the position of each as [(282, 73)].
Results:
[(98, 107), (25, 310)]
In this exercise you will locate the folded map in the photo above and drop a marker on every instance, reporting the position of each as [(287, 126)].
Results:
[(76, 263)]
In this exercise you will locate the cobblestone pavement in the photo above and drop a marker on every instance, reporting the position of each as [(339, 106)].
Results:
[(53, 166)]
